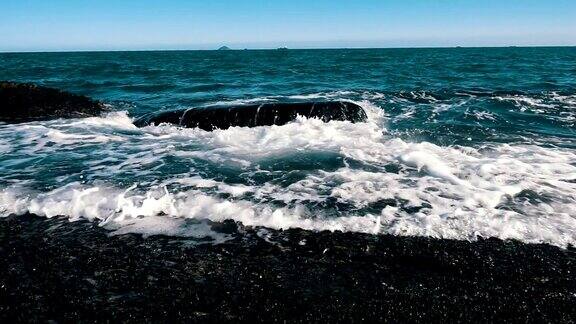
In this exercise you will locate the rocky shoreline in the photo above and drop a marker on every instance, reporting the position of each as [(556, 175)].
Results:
[(54, 270), (26, 102)]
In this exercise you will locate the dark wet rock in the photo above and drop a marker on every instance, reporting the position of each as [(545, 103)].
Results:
[(76, 272), (23, 102), (226, 227), (223, 117)]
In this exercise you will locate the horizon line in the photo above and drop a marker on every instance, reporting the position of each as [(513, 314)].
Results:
[(216, 49)]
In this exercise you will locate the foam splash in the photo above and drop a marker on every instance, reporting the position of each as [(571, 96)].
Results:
[(369, 181), (125, 211)]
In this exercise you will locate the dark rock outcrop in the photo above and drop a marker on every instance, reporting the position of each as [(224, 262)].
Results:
[(223, 117), (24, 102)]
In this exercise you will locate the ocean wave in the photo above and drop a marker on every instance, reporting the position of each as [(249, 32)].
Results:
[(332, 176)]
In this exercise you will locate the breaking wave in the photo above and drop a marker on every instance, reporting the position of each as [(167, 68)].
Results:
[(366, 177)]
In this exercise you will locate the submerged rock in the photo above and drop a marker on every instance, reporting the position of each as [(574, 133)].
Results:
[(24, 102), (223, 117)]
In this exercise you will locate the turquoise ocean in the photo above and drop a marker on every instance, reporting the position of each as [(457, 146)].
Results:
[(460, 143)]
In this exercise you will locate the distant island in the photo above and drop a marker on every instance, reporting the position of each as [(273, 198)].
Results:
[(224, 48)]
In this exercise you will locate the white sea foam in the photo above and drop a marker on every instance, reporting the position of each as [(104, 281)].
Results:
[(387, 184), (322, 95), (552, 106), (526, 102), (243, 101), (5, 146), (118, 209), (483, 115), (569, 100)]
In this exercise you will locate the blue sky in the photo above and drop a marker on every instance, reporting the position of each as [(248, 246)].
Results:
[(34, 25)]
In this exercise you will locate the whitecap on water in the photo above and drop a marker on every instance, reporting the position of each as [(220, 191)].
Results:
[(382, 184)]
